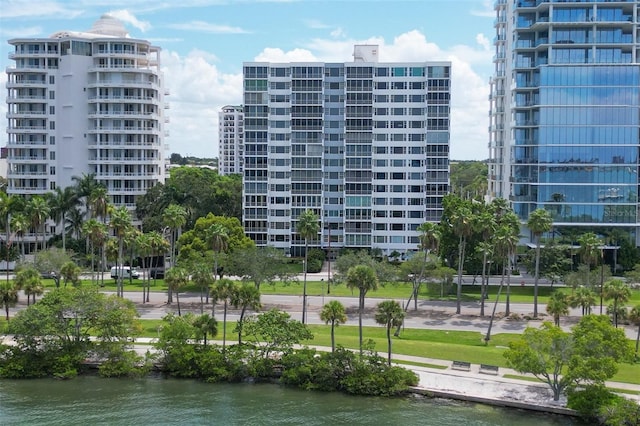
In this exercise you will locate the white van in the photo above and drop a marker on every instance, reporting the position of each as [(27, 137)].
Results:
[(126, 272)]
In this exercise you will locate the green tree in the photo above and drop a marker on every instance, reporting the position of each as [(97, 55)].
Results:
[(544, 352), (176, 278), (540, 222), (462, 221), (506, 240), (70, 273), (50, 261), (599, 347), (335, 314), (307, 228), (98, 202), (558, 305), (20, 225), (84, 185), (589, 251), (8, 296), (634, 318), (275, 331), (224, 291), (389, 314), (28, 280), (63, 201), (206, 326), (257, 265), (159, 246), (618, 291), (38, 211), (584, 298), (120, 223), (202, 277), (245, 297), (363, 278), (97, 234), (174, 218), (218, 237), (589, 355)]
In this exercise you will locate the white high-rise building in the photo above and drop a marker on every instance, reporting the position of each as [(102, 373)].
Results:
[(231, 133), (363, 144), (86, 103)]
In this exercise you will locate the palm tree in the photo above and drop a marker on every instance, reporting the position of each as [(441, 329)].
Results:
[(74, 223), (484, 223), (20, 225), (176, 278), (334, 313), (174, 217), (29, 281), (506, 240), (206, 326), (8, 296), (63, 201), (583, 297), (120, 221), (463, 228), (634, 317), (202, 277), (38, 211), (389, 314), (144, 250), (224, 290), (307, 228), (245, 297), (97, 234), (84, 185), (618, 291), (557, 306), (363, 278), (98, 201), (429, 236), (159, 246), (589, 250), (540, 221), (218, 236)]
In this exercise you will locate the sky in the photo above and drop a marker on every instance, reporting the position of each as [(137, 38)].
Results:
[(205, 42)]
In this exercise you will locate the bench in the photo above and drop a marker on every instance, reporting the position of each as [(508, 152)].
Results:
[(461, 365), (488, 369)]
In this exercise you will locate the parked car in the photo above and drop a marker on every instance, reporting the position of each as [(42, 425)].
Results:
[(157, 273), (125, 271)]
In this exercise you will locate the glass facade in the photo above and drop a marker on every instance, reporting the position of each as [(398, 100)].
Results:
[(565, 111)]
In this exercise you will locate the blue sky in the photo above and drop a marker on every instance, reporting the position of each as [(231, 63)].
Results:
[(204, 43)]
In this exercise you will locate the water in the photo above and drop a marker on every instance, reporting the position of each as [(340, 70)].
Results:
[(157, 401)]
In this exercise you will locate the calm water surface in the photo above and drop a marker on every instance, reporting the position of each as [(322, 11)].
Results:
[(157, 401)]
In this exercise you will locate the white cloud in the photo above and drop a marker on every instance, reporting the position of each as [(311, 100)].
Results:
[(20, 32), (273, 54), (338, 32), (12, 9), (199, 89), (129, 18), (314, 24), (198, 92), (206, 27), (483, 41), (487, 10)]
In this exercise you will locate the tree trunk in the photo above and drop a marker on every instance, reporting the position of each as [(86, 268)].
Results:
[(178, 302), (493, 313), (484, 274), (224, 326), (535, 279), (304, 286), (459, 290), (333, 337), (508, 310), (360, 309), (389, 344)]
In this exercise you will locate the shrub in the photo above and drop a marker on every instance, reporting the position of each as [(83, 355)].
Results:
[(314, 266), (590, 400)]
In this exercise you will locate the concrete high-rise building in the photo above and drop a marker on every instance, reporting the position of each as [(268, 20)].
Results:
[(565, 111), (231, 145), (363, 144), (86, 103)]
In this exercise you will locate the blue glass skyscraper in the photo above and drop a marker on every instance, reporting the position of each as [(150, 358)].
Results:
[(565, 111)]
